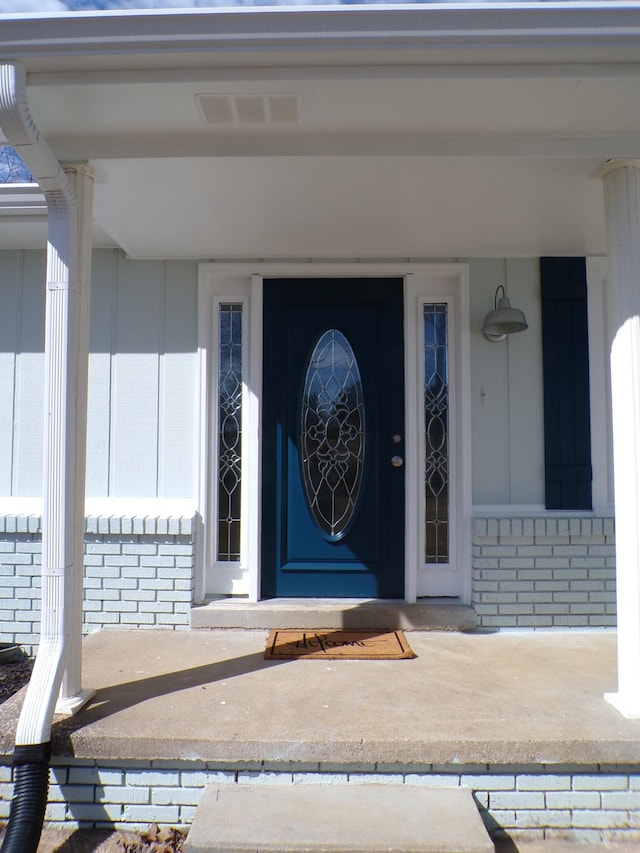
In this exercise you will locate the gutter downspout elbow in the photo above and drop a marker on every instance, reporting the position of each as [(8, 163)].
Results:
[(64, 448)]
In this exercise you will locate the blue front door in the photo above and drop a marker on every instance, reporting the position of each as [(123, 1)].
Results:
[(333, 439)]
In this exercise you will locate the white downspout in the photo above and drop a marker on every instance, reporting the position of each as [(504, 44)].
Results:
[(69, 200)]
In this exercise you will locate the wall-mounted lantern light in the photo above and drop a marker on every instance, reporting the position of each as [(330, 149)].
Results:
[(503, 320)]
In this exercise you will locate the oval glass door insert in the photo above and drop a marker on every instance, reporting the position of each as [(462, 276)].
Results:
[(332, 434)]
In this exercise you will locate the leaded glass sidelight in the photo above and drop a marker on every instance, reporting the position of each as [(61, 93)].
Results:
[(332, 434), (229, 430), (436, 422)]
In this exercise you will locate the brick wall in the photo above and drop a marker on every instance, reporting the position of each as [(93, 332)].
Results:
[(544, 572), (138, 573), (582, 803)]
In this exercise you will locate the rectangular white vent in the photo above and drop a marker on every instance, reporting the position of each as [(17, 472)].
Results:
[(243, 110)]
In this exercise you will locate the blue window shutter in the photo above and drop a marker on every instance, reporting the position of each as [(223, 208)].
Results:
[(565, 359)]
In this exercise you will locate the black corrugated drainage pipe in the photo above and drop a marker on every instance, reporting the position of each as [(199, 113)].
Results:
[(30, 794)]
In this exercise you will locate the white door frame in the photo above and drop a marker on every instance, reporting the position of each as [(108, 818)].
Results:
[(423, 283)]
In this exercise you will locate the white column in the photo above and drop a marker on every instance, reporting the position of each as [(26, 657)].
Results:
[(56, 673), (81, 177), (622, 205)]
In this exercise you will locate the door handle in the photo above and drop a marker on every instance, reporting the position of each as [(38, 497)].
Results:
[(397, 461)]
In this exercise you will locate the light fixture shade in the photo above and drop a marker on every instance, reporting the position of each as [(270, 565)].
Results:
[(503, 320)]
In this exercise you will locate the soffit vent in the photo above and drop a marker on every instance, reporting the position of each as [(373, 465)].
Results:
[(242, 110)]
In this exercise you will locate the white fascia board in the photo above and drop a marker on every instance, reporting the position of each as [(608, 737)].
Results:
[(459, 26), (22, 200)]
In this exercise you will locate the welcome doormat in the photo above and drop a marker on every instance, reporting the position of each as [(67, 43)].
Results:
[(338, 645)]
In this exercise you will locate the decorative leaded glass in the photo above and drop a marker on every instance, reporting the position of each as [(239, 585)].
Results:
[(332, 434), (230, 431), (436, 420)]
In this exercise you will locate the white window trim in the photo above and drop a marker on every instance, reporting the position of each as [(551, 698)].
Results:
[(242, 282), (443, 285), (215, 288)]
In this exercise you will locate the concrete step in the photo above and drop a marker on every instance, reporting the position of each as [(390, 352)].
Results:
[(433, 614), (345, 818)]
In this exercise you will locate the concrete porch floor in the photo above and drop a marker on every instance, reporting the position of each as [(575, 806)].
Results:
[(471, 698)]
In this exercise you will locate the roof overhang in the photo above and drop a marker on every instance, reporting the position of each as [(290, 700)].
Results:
[(436, 33), (433, 130)]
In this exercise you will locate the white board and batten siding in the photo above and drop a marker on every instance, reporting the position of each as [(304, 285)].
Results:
[(143, 389), (506, 389), (22, 281), (507, 397)]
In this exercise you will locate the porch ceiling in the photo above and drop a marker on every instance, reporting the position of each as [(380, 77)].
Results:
[(390, 148), (359, 206)]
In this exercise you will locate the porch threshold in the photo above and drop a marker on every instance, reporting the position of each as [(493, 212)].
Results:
[(427, 614)]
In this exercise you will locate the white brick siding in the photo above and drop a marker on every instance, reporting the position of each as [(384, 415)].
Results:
[(139, 573), (588, 803), (544, 572), (528, 572)]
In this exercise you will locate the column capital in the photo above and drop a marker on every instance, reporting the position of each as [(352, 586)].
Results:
[(617, 163), (83, 169)]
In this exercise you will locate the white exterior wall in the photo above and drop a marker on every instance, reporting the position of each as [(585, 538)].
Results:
[(543, 572), (142, 379), (22, 289), (506, 389), (143, 384), (142, 449), (533, 568), (138, 573), (143, 391), (507, 392)]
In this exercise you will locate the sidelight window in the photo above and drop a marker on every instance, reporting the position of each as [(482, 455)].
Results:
[(436, 425), (229, 430)]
